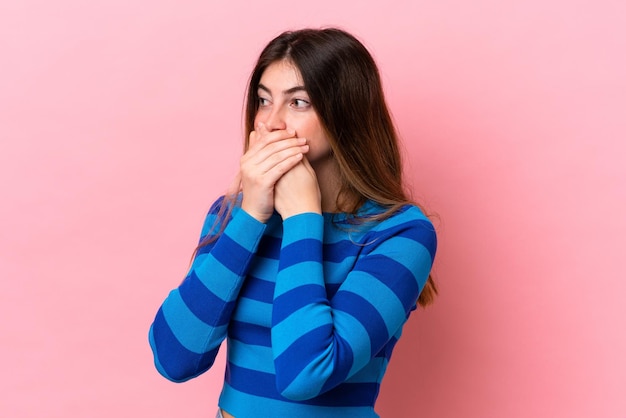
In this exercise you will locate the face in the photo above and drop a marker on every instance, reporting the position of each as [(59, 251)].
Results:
[(285, 104)]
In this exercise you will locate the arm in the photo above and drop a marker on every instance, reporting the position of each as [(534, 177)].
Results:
[(319, 343), (192, 321)]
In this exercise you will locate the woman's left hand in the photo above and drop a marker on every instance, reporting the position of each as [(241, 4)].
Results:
[(297, 191)]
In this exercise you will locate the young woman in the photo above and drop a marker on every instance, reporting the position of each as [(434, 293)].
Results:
[(312, 267)]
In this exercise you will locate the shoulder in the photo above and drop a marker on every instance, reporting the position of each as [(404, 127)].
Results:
[(219, 214), (407, 215), (224, 202), (409, 223)]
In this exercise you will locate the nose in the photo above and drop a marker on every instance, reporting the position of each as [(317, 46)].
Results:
[(275, 120)]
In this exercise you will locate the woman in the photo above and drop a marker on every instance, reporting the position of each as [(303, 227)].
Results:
[(311, 269)]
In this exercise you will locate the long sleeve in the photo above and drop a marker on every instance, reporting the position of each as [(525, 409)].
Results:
[(318, 341), (192, 322)]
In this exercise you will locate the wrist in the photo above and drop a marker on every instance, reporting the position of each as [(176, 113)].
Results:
[(290, 214), (307, 225), (299, 208), (259, 216)]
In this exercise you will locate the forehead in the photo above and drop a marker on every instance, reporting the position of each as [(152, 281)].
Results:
[(280, 76)]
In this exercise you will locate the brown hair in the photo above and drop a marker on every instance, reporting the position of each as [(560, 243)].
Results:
[(343, 83)]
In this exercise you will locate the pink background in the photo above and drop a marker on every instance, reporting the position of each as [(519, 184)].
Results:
[(120, 123)]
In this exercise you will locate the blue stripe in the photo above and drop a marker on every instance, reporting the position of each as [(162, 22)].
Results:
[(300, 251), (231, 255), (174, 359), (303, 351), (203, 303), (299, 323), (258, 289), (335, 273), (337, 252), (248, 405), (217, 277), (424, 233), (419, 230), (250, 333), (211, 223), (356, 336), (388, 349), (264, 385), (366, 314), (252, 357), (393, 275), (269, 247), (253, 312), (301, 274), (252, 381), (331, 289), (263, 269), (188, 329), (205, 249), (371, 372), (301, 227), (294, 299), (348, 394), (343, 357)]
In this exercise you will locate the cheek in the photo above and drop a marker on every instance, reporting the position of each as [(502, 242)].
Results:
[(260, 115), (319, 144)]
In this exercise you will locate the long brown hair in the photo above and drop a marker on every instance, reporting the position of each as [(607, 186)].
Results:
[(343, 83)]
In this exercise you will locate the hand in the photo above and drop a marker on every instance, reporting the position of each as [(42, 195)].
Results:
[(269, 156), (297, 191)]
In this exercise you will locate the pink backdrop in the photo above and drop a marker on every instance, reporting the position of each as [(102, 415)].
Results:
[(120, 123)]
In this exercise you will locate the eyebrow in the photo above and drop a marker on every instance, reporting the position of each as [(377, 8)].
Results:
[(285, 92)]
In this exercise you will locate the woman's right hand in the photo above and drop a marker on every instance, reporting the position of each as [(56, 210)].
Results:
[(269, 156)]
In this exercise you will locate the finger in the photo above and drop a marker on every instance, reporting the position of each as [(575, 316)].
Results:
[(277, 158), (266, 176), (262, 151), (307, 164), (283, 166), (252, 138), (267, 136), (273, 165)]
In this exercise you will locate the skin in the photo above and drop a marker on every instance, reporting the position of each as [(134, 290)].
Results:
[(288, 165)]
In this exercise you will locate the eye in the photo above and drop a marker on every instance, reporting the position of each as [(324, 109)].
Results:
[(300, 103), (263, 102)]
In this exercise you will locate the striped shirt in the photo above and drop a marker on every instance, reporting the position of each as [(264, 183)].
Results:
[(311, 307)]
